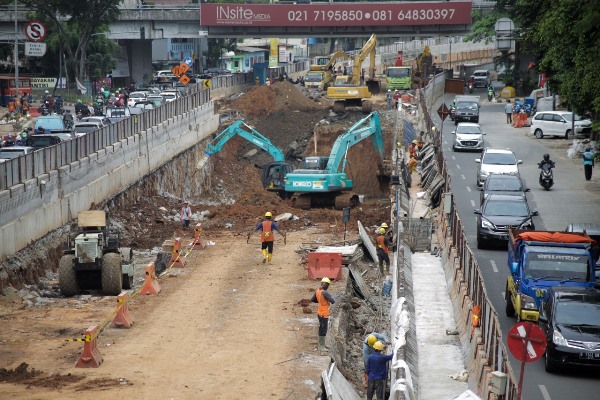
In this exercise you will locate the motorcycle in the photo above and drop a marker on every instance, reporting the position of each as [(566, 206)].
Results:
[(490, 94), (471, 87), (68, 120), (45, 108), (546, 177)]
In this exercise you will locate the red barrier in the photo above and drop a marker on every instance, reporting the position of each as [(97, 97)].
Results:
[(122, 319), (151, 285), (198, 243), (90, 356), (177, 259), (324, 265)]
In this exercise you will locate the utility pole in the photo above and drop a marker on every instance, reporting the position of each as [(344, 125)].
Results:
[(16, 55)]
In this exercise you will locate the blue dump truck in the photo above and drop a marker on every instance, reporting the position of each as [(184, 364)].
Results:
[(539, 260)]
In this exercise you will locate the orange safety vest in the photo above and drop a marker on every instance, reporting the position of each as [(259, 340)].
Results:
[(323, 309), (381, 243), (267, 232)]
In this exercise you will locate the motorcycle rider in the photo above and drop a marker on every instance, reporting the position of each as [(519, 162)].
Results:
[(78, 106), (491, 93), (471, 83), (58, 104), (546, 161)]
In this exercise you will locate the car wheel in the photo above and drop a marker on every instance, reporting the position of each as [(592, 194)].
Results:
[(550, 365), (567, 133), (510, 309), (538, 133), (454, 148)]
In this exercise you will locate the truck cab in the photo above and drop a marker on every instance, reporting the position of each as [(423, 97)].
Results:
[(539, 260)]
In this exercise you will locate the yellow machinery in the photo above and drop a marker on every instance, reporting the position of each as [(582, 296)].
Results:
[(352, 90), (320, 76)]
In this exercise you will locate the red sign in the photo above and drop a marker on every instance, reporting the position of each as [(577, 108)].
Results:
[(526, 341), (35, 31), (336, 14)]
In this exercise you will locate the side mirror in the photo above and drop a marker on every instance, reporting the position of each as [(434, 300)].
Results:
[(480, 189), (526, 190), (543, 319), (520, 162), (535, 213), (477, 211), (454, 132), (478, 160), (514, 267), (483, 133)]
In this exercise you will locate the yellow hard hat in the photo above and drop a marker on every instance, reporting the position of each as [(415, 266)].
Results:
[(378, 345), (415, 141), (325, 280), (268, 214), (384, 225), (381, 230), (371, 339)]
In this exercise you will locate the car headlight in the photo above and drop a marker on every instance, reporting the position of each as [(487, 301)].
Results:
[(526, 225), (558, 339), (487, 224), (527, 302)]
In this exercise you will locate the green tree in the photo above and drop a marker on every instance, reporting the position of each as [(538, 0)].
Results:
[(216, 48)]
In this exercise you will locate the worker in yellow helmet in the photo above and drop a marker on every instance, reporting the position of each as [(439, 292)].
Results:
[(377, 371), (267, 236), (324, 299), (383, 248), (368, 347)]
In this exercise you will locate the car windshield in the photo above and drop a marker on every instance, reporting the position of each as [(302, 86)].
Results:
[(482, 74), (503, 208), (499, 159), (398, 72), (466, 105), (577, 313), (569, 115), (314, 77), (503, 184), (468, 129), (556, 266), (10, 154), (84, 128), (138, 95)]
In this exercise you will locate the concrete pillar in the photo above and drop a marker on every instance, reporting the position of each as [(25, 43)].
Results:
[(140, 59)]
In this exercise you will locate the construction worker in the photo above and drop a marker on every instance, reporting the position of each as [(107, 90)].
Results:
[(324, 299), (368, 347), (377, 371), (412, 163), (267, 236), (412, 148), (185, 214), (383, 246)]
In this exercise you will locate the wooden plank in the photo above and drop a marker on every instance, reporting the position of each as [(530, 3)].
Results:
[(91, 218)]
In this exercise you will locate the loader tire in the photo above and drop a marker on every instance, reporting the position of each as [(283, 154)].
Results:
[(67, 278), (112, 277)]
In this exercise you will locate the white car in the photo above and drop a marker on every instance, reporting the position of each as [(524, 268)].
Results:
[(558, 123), (135, 97), (169, 96), (8, 153), (469, 136), (83, 128), (101, 120), (496, 161)]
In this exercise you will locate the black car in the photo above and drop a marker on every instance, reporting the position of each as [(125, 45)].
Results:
[(502, 184), (500, 212), (41, 141), (570, 318)]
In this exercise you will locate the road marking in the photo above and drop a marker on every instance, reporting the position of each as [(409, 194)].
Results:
[(462, 176), (545, 393), (454, 158), (468, 189), (494, 267), (457, 166), (472, 203), (503, 295)]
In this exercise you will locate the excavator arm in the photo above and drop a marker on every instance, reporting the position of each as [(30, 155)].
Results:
[(369, 126), (331, 63), (368, 50), (250, 135)]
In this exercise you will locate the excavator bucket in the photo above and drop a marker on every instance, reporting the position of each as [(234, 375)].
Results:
[(202, 160)]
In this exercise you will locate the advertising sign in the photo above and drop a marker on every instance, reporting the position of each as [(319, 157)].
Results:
[(283, 57), (273, 53), (336, 14), (45, 83)]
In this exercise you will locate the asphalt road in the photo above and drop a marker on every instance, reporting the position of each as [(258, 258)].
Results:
[(571, 199)]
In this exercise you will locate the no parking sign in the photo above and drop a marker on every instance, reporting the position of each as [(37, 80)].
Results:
[(35, 31)]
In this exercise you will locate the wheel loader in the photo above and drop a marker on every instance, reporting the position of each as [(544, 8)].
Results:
[(92, 258)]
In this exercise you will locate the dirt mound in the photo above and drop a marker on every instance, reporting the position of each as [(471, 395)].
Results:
[(280, 96)]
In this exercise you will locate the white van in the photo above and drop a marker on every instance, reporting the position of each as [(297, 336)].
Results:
[(558, 123), (165, 73)]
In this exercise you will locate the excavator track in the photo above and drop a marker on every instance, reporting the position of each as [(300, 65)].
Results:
[(346, 200), (301, 201)]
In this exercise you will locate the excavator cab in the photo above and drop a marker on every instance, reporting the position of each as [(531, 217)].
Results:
[(313, 164), (273, 176)]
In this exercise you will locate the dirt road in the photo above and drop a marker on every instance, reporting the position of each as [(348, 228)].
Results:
[(224, 327)]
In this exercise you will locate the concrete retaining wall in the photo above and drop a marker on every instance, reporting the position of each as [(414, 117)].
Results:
[(50, 201)]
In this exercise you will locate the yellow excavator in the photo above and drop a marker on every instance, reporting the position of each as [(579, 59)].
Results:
[(319, 76), (355, 89)]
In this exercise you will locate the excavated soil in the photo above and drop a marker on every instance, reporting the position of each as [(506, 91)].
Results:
[(226, 298)]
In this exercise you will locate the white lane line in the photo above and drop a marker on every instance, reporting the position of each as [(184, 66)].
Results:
[(494, 267), (472, 203), (545, 393), (503, 295), (457, 166), (462, 176), (468, 189), (454, 158)]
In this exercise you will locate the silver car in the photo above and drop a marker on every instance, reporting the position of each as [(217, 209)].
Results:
[(496, 161), (469, 136)]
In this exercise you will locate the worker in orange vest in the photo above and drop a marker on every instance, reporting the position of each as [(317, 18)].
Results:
[(324, 299), (383, 248), (267, 237)]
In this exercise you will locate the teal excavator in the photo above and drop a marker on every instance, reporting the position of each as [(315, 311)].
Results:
[(273, 173)]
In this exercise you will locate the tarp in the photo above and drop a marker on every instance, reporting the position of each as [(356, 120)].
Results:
[(555, 237)]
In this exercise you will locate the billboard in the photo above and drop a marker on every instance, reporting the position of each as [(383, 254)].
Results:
[(336, 14)]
